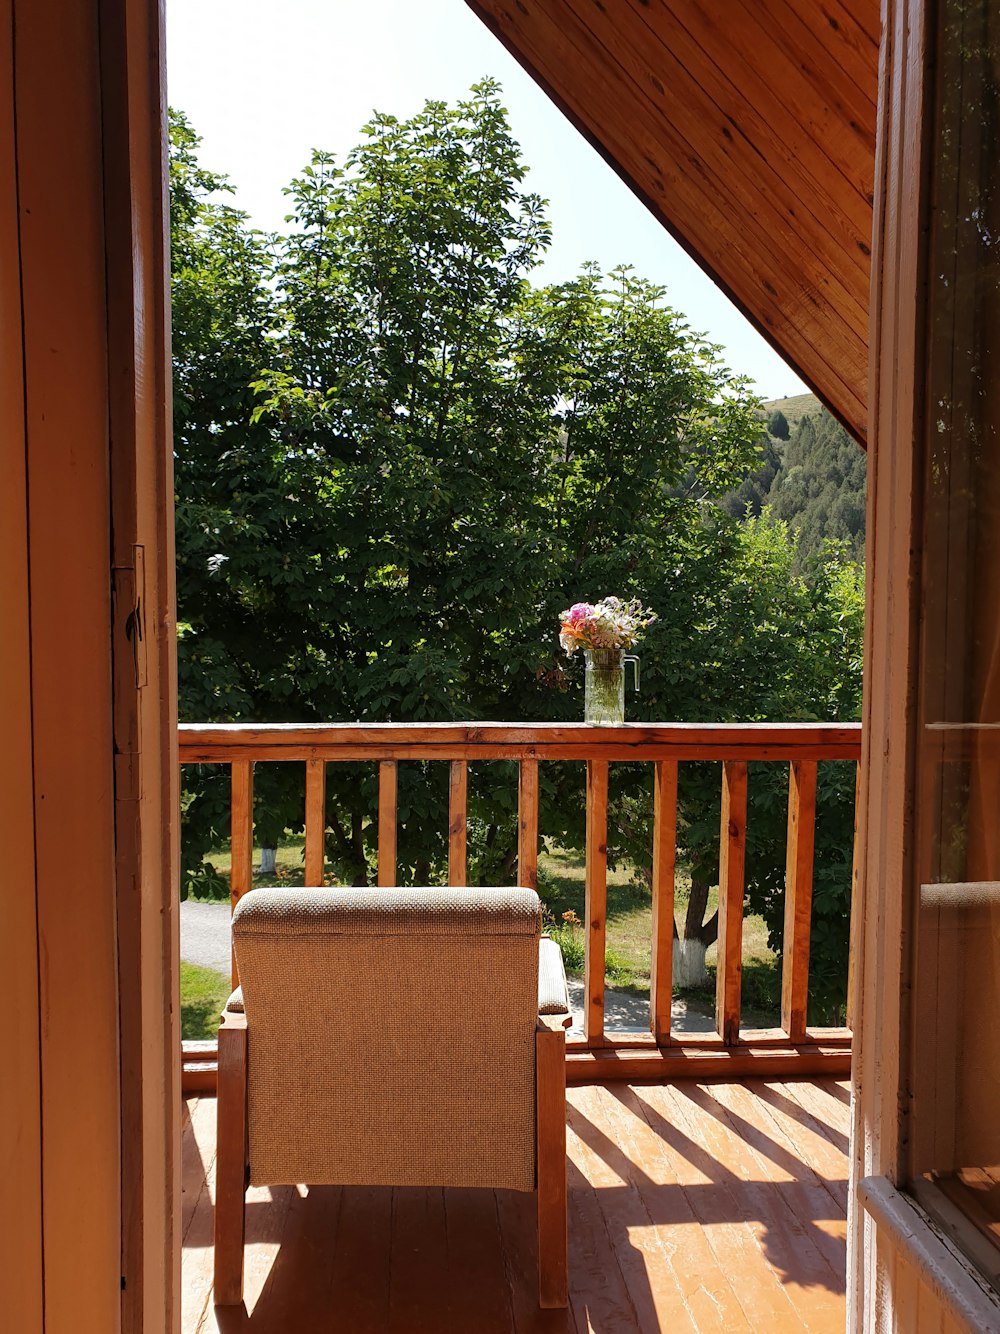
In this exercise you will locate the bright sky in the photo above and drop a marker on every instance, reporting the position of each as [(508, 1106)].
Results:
[(266, 81)]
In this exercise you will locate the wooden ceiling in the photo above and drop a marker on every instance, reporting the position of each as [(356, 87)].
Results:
[(748, 128)]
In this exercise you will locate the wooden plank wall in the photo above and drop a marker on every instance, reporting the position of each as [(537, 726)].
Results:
[(21, 1292), (748, 129), (88, 1123)]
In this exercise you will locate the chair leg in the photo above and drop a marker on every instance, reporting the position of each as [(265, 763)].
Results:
[(231, 1160), (550, 1082)]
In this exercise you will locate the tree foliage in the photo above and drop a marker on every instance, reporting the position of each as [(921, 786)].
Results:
[(397, 461), (777, 425)]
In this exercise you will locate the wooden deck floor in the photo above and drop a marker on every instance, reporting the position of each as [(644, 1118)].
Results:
[(714, 1207)]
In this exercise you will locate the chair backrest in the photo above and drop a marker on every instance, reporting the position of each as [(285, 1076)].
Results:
[(390, 1035)]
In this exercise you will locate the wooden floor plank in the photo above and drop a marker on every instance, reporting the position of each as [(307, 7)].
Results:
[(360, 1290), (806, 1138), (197, 1255), (653, 1287), (823, 1100), (694, 1209), (418, 1290), (517, 1218), (479, 1296), (715, 1193), (786, 1199), (197, 1156), (708, 1293)]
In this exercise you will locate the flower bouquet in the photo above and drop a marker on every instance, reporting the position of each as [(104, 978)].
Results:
[(604, 630)]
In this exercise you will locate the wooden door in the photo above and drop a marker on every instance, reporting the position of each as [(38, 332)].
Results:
[(87, 698)]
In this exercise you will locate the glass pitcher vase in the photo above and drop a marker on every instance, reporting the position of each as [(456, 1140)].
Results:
[(604, 685)]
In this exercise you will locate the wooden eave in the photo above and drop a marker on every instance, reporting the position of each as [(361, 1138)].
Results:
[(748, 129)]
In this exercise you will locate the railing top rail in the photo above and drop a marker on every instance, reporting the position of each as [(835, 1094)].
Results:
[(218, 743)]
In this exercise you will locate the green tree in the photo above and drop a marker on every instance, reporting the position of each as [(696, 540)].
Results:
[(397, 461), (777, 425)]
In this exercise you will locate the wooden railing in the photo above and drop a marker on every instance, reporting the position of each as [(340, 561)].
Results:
[(732, 1050)]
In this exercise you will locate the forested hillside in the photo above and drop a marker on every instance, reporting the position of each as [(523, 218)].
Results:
[(812, 476)]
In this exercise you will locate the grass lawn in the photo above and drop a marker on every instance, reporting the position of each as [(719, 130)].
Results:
[(562, 877), (561, 884), (203, 994)]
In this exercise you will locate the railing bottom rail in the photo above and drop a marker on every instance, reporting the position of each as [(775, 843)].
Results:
[(823, 1054)]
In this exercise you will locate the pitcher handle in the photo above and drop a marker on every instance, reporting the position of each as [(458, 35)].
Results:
[(628, 657)]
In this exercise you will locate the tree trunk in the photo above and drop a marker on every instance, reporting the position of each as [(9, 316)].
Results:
[(689, 962), (689, 952), (358, 845), (268, 861)]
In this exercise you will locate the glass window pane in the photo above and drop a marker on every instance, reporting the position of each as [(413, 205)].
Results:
[(956, 1052)]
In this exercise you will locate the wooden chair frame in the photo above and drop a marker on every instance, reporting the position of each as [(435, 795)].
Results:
[(232, 1162)]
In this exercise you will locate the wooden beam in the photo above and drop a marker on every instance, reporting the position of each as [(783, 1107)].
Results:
[(527, 824), (732, 855), (315, 820), (387, 786), (231, 1160), (734, 1063), (204, 743), (798, 897), (550, 1120), (662, 930), (596, 909), (458, 818), (22, 1295), (241, 837), (825, 1053), (855, 899)]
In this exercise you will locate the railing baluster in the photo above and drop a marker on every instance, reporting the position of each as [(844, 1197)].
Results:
[(458, 817), (241, 836), (732, 855), (855, 919), (798, 897), (315, 820), (596, 900), (387, 822), (664, 857), (527, 824)]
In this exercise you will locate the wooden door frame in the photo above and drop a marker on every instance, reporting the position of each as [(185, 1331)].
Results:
[(89, 1105), (898, 1263)]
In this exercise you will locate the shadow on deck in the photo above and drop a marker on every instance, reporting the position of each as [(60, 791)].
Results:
[(692, 1207)]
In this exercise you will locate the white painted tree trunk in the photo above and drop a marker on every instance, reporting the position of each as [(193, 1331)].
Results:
[(689, 963), (268, 862)]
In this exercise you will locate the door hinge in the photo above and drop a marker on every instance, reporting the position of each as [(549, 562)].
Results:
[(130, 608)]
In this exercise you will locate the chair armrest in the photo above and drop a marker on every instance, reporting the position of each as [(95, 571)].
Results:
[(232, 1021), (553, 995)]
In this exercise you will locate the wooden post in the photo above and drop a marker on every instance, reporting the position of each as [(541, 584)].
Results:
[(596, 900), (550, 1123), (231, 1159), (855, 916), (458, 815), (732, 854), (527, 824), (387, 777), (315, 820), (664, 856), (798, 897), (241, 837)]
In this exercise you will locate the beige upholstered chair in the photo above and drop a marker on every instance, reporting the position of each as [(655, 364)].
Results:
[(393, 1037)]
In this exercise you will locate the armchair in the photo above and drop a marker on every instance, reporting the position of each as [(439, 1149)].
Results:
[(393, 1037)]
